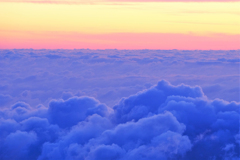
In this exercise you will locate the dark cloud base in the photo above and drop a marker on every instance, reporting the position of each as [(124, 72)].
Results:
[(162, 122)]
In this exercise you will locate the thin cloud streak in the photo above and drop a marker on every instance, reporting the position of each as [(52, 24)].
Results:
[(107, 1)]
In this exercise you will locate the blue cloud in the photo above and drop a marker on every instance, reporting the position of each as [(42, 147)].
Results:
[(4, 99), (148, 101), (18, 145), (97, 73), (132, 119), (74, 110), (163, 122)]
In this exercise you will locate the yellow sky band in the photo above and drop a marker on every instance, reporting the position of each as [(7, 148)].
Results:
[(177, 17)]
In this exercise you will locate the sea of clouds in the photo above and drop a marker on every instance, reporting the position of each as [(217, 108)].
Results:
[(114, 105)]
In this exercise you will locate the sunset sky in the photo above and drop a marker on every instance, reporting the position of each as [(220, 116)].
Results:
[(119, 79), (120, 24)]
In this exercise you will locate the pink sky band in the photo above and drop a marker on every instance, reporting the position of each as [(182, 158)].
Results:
[(65, 40)]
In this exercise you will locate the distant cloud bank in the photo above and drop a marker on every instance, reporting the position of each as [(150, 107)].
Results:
[(37, 76)]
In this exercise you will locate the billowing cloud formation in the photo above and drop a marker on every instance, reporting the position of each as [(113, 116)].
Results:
[(163, 122), (79, 110)]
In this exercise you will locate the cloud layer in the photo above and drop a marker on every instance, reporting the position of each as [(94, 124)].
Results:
[(47, 109), (162, 122), (37, 76)]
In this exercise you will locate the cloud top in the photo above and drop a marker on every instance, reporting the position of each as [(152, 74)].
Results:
[(162, 122)]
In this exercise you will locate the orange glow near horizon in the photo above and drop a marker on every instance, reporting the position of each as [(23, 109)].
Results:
[(34, 25), (65, 40)]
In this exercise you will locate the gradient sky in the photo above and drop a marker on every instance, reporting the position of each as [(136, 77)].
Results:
[(121, 24)]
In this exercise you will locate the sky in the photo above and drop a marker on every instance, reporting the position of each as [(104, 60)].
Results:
[(120, 24), (119, 80)]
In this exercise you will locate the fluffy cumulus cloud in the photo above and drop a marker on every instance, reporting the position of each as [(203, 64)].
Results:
[(68, 113), (162, 122)]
